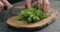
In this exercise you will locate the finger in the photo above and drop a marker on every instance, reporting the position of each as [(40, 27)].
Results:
[(28, 3), (6, 3), (1, 6), (46, 6), (40, 3)]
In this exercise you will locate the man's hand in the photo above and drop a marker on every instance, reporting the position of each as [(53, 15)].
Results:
[(43, 4), (4, 3)]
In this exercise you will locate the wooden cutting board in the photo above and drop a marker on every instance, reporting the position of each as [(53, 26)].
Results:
[(25, 25)]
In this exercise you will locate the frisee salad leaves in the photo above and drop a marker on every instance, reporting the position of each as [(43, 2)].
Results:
[(32, 15)]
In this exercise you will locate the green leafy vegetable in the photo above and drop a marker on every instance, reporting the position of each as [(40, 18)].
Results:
[(32, 15)]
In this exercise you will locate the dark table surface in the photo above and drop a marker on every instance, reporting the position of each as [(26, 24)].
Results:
[(54, 27)]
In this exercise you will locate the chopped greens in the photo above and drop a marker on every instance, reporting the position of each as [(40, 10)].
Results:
[(32, 15)]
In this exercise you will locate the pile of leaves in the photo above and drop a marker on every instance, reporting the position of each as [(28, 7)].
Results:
[(32, 15)]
